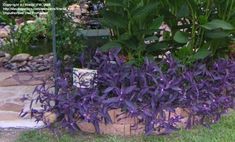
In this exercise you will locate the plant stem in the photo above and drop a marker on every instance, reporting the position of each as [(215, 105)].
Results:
[(194, 24), (231, 10)]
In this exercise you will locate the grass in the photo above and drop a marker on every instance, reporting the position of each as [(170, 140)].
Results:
[(224, 131)]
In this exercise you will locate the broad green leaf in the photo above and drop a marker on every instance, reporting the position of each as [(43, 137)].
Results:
[(184, 51), (156, 47), (114, 4), (181, 37), (113, 19), (184, 54), (110, 45), (201, 53), (156, 23), (131, 43), (151, 38), (183, 12), (124, 36), (218, 24), (144, 31), (216, 34), (202, 19), (142, 12)]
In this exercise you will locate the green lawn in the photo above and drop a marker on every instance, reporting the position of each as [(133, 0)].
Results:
[(224, 131)]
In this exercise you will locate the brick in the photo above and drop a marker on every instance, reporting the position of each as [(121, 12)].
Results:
[(127, 127), (137, 129), (121, 118), (86, 127)]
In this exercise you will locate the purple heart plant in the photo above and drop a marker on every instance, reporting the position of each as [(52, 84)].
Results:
[(205, 90)]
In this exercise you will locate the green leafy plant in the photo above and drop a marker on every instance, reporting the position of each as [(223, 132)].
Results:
[(26, 36), (68, 42), (199, 24), (133, 22), (39, 32), (11, 22), (193, 24)]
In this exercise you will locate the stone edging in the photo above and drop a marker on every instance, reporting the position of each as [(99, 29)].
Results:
[(25, 62)]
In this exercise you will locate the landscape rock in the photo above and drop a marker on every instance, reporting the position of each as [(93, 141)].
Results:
[(67, 57), (30, 58), (4, 33), (4, 57), (2, 54), (30, 21), (75, 9), (7, 28), (1, 60), (20, 57), (26, 63), (21, 64), (7, 57), (2, 42), (78, 12), (43, 68), (25, 69)]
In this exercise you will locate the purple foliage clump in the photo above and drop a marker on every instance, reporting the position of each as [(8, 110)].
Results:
[(205, 90)]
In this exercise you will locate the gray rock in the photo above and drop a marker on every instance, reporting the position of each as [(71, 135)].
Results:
[(26, 63), (25, 69), (67, 57), (11, 66), (1, 62), (36, 58), (42, 68), (7, 28), (33, 68), (7, 57), (51, 58), (1, 59), (2, 42), (37, 65), (32, 63), (30, 58), (4, 59), (21, 64), (3, 33), (2, 54), (39, 60), (20, 57)]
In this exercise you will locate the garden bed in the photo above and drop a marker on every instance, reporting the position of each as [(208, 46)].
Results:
[(152, 99), (163, 69)]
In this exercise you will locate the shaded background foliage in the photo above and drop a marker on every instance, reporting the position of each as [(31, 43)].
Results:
[(38, 34), (198, 28)]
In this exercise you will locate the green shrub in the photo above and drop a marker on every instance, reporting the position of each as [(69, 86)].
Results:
[(67, 40), (133, 22), (40, 32), (26, 36), (197, 27)]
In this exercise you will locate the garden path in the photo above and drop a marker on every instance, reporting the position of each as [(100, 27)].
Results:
[(13, 86)]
